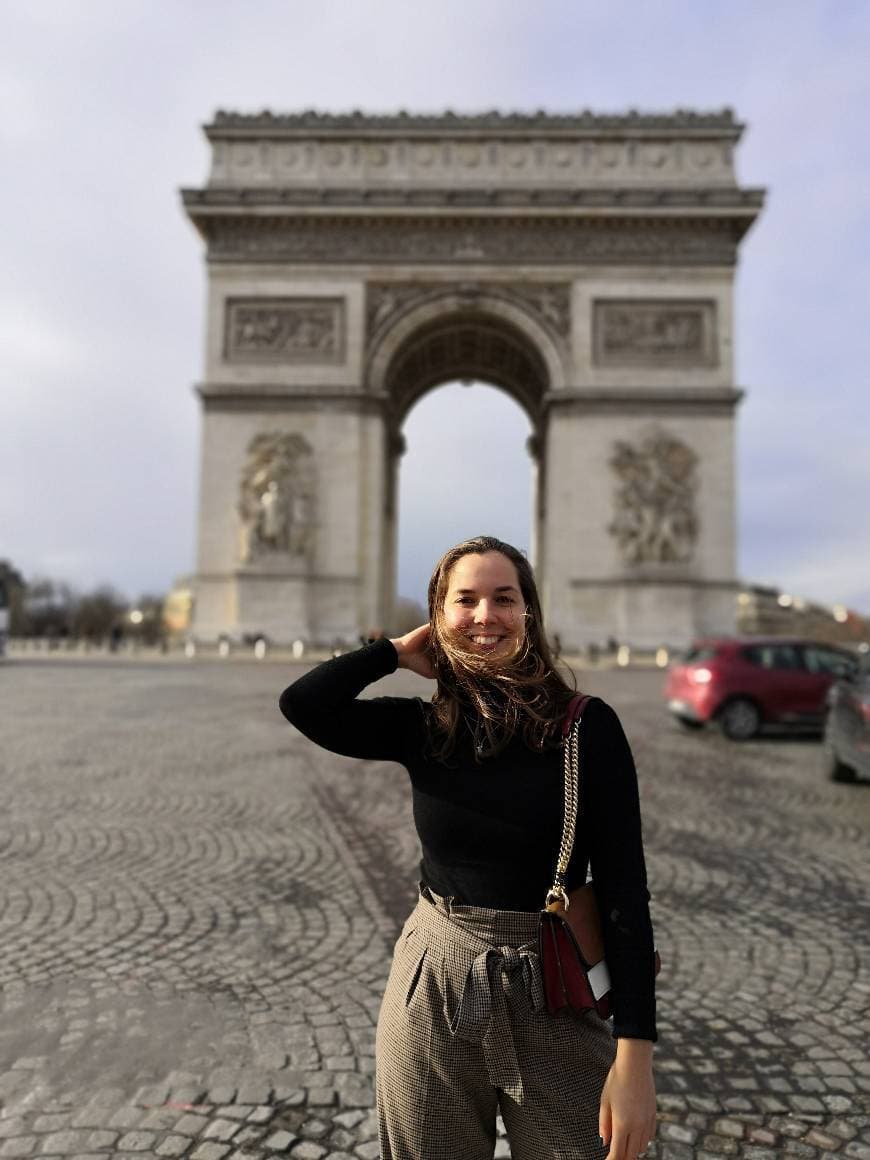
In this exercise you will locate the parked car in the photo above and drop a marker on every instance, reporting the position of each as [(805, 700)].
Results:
[(746, 683), (846, 743)]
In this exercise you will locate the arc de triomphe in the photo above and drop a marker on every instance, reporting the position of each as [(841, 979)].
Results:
[(582, 263)]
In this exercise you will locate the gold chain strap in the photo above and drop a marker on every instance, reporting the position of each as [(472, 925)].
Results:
[(571, 748)]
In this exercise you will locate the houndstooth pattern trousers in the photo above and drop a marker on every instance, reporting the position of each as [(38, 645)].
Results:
[(464, 1033)]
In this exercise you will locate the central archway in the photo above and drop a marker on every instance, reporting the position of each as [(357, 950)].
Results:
[(452, 337), (466, 470)]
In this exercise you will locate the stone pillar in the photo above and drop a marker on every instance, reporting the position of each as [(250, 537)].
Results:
[(323, 582), (640, 464), (395, 449), (291, 482)]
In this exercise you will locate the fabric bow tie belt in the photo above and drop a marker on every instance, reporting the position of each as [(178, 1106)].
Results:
[(500, 978), (497, 971)]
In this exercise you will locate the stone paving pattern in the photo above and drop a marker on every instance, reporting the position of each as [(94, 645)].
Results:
[(198, 907)]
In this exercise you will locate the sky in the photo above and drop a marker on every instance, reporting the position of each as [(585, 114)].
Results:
[(102, 277)]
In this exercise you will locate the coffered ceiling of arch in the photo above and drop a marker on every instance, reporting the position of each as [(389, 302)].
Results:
[(467, 348)]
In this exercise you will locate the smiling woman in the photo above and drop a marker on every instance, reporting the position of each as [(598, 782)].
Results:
[(463, 1030), (489, 650), (486, 612)]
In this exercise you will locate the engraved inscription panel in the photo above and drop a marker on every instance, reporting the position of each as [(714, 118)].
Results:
[(274, 330), (634, 332)]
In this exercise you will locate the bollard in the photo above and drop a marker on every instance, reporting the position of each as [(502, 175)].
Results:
[(298, 650), (260, 648)]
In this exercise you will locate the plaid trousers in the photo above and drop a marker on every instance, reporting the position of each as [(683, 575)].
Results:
[(464, 1033)]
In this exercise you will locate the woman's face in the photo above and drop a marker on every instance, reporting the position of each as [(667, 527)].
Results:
[(484, 602)]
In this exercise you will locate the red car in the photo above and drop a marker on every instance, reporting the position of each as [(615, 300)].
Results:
[(745, 683)]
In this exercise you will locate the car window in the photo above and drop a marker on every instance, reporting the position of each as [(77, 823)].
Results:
[(826, 660), (701, 653), (773, 656)]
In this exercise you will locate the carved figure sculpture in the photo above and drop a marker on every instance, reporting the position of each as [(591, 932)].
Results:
[(276, 497), (656, 520), (288, 327)]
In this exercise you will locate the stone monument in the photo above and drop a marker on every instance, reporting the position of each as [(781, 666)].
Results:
[(584, 263)]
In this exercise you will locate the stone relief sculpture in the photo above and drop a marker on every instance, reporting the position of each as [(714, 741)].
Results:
[(656, 522), (655, 333), (284, 329), (551, 301), (276, 498)]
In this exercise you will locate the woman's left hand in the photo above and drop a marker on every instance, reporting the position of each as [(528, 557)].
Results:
[(627, 1119)]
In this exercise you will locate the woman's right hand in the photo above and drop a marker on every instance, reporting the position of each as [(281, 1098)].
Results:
[(413, 650)]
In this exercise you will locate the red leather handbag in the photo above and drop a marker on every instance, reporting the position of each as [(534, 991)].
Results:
[(570, 939)]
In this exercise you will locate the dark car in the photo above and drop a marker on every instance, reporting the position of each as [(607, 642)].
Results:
[(745, 684), (846, 743)]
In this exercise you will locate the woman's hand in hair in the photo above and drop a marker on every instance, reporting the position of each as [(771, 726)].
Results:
[(413, 650)]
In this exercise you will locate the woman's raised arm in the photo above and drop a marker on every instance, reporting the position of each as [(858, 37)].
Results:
[(325, 705)]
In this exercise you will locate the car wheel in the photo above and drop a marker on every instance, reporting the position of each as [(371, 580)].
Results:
[(688, 723), (835, 768), (740, 719)]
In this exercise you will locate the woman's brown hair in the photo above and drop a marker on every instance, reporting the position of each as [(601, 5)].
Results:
[(516, 692)]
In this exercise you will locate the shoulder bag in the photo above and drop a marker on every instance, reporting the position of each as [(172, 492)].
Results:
[(570, 939)]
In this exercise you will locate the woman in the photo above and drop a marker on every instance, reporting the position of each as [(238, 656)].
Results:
[(463, 1032)]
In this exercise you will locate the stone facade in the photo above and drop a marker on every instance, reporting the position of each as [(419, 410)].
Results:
[(583, 263)]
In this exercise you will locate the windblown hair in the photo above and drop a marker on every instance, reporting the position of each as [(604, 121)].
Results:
[(518, 691)]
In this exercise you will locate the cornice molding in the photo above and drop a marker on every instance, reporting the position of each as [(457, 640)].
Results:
[(683, 400), (279, 199), (276, 397), (720, 121)]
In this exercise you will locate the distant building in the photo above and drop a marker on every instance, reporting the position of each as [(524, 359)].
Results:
[(763, 610), (178, 607)]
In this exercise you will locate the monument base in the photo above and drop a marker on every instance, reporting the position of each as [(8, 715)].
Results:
[(647, 613), (282, 606)]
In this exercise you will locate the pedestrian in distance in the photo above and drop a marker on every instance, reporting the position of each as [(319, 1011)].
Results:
[(463, 1031)]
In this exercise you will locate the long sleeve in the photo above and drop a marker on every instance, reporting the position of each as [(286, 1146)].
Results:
[(611, 802), (323, 704)]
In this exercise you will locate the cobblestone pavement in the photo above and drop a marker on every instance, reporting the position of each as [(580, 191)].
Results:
[(198, 907)]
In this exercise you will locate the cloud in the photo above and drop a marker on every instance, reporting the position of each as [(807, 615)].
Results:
[(35, 347)]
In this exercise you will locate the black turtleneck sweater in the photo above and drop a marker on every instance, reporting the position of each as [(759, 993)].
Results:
[(490, 829)]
